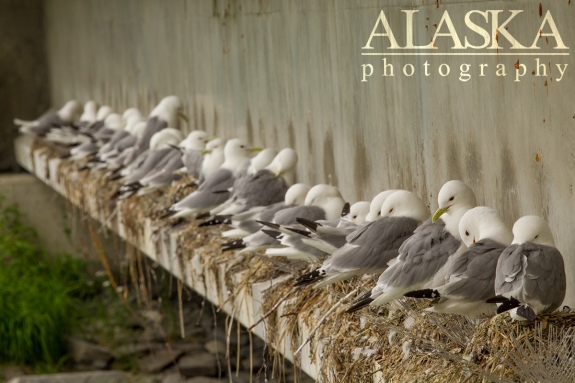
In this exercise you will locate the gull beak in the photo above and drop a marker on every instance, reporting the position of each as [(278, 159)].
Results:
[(183, 117), (211, 139), (438, 213), (205, 151), (256, 149)]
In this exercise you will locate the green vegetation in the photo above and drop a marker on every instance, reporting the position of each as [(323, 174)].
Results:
[(39, 295)]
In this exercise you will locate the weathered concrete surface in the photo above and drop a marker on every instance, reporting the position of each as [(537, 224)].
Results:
[(77, 377), (23, 71), (289, 73)]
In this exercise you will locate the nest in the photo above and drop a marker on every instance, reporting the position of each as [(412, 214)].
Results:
[(399, 341)]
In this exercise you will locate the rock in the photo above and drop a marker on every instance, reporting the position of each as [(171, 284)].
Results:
[(203, 379), (201, 364), (77, 377), (83, 352), (173, 378), (188, 347), (9, 372), (215, 347), (257, 363), (158, 361), (135, 349)]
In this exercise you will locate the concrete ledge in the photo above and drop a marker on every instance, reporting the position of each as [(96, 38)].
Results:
[(76, 377)]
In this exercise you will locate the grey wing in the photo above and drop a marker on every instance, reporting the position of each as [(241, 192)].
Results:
[(260, 239), (150, 163), (261, 189), (288, 216), (374, 248), (421, 256), (193, 160), (475, 272), (268, 214), (510, 270), (166, 174), (153, 126), (545, 279), (221, 179), (126, 142), (45, 123)]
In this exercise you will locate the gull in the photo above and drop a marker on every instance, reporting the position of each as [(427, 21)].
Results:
[(246, 223), (530, 278), (213, 158), (369, 248), (428, 253), (40, 127), (321, 202), (471, 278), (213, 191)]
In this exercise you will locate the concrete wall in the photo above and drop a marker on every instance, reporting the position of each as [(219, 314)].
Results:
[(60, 227), (288, 73), (23, 73)]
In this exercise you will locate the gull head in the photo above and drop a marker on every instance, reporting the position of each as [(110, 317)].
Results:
[(113, 121), (403, 203), (284, 164), (483, 222), (454, 199), (196, 140), (296, 194), (170, 110), (137, 129), (358, 212), (328, 198), (261, 160), (131, 116), (164, 138), (375, 205), (534, 229), (90, 110), (103, 112), (70, 111)]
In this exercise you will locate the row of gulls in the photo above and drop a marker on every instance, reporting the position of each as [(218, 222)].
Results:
[(463, 258)]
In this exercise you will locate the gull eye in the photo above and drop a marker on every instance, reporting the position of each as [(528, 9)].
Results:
[(354, 217), (466, 233), (536, 236), (452, 198), (378, 213), (242, 146), (390, 210)]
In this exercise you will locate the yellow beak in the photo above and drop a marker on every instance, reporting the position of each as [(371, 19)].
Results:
[(212, 138), (438, 213), (183, 117), (205, 151), (256, 149)]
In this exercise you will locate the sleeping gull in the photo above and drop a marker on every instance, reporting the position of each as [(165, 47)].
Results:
[(424, 257), (213, 191), (471, 278), (192, 147), (369, 249), (530, 278), (213, 158), (264, 187), (245, 223), (321, 201)]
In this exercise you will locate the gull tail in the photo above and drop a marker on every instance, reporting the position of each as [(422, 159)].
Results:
[(233, 245), (203, 215), (309, 278), (360, 302), (527, 313), (425, 293), (272, 233), (506, 303)]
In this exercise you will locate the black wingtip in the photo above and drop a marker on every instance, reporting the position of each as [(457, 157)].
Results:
[(177, 222), (360, 303), (307, 223), (497, 299), (203, 215), (165, 213), (300, 232), (425, 293), (269, 224), (346, 209), (67, 154), (215, 221), (272, 233), (308, 278), (115, 176), (233, 245), (510, 304)]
